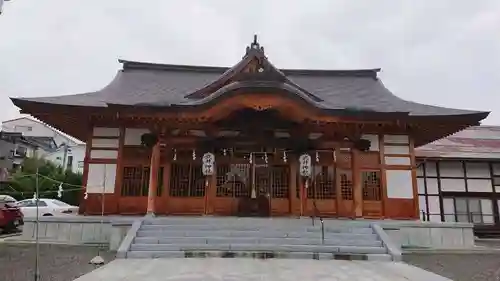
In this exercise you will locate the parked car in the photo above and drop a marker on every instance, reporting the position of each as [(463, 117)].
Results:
[(46, 208), (11, 217), (7, 198)]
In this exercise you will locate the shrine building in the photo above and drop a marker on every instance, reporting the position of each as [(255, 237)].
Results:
[(249, 140)]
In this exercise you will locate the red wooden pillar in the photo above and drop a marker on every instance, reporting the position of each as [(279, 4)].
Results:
[(356, 184), (153, 178)]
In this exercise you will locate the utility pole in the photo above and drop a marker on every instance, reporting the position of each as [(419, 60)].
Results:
[(65, 156), (37, 225)]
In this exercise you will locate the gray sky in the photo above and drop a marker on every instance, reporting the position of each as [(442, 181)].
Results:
[(444, 53)]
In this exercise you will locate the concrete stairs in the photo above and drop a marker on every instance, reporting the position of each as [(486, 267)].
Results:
[(177, 237)]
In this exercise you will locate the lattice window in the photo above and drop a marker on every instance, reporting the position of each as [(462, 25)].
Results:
[(262, 180), (372, 190), (323, 183), (233, 180), (135, 181), (345, 181), (299, 181), (280, 181), (159, 190), (187, 180)]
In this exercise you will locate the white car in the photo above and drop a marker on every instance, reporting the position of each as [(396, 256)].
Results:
[(8, 199), (46, 208)]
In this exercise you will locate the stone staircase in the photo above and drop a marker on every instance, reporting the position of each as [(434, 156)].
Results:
[(178, 237)]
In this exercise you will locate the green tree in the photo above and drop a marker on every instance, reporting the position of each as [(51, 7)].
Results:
[(23, 181)]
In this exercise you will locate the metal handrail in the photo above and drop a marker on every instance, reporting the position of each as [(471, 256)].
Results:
[(322, 222)]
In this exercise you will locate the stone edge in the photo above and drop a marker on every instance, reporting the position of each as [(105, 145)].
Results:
[(392, 249), (83, 219), (446, 251), (391, 224), (121, 253), (259, 255)]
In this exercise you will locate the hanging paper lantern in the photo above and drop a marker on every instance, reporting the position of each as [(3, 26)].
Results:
[(224, 152), (250, 160), (317, 156), (284, 156), (265, 158), (305, 165), (194, 154), (175, 154), (208, 163)]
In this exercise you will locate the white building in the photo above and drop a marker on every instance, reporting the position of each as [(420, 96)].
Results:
[(459, 179), (71, 157), (30, 127), (67, 150)]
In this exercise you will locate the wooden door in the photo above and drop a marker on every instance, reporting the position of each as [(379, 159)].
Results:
[(372, 194), (321, 193), (345, 193), (272, 181), (187, 189), (233, 181)]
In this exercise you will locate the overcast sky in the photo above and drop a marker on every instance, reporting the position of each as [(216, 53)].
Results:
[(443, 53)]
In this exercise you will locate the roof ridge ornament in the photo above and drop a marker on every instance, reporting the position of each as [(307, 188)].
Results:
[(254, 46)]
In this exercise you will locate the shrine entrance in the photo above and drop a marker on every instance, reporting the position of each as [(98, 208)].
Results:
[(251, 189), (329, 190)]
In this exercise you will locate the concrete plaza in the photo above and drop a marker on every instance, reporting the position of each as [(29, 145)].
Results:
[(213, 269)]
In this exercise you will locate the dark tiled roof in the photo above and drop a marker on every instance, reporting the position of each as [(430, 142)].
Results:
[(166, 85), (180, 85)]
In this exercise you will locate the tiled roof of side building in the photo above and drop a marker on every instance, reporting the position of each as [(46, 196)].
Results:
[(166, 85), (479, 142)]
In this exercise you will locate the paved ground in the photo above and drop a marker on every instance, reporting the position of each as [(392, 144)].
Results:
[(215, 269), (57, 262), (65, 263), (459, 267)]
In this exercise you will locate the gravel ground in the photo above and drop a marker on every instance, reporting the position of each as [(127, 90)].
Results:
[(459, 267), (57, 262)]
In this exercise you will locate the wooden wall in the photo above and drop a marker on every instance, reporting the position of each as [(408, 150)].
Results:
[(112, 149)]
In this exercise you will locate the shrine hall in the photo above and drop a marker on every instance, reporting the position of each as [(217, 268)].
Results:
[(248, 140)]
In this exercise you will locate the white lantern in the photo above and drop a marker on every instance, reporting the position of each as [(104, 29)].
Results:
[(208, 161), (305, 165), (208, 169)]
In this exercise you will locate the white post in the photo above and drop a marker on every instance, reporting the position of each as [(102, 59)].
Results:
[(98, 260)]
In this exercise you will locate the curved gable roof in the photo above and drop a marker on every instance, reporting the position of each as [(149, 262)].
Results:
[(151, 84)]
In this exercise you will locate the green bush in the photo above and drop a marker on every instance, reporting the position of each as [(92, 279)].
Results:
[(23, 182)]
